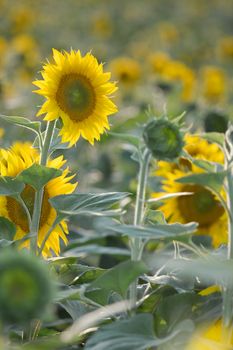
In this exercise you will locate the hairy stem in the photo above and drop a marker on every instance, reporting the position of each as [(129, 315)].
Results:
[(137, 243), (228, 289), (35, 224)]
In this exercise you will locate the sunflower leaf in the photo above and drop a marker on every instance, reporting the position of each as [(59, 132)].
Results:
[(215, 137), (156, 231), (8, 229), (23, 122), (115, 279), (10, 186), (38, 176), (89, 203), (212, 180), (134, 333)]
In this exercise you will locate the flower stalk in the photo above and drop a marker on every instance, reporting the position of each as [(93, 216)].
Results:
[(228, 288), (35, 224), (136, 243)]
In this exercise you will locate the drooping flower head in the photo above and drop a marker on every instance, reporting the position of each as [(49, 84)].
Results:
[(79, 92), (12, 162), (202, 206)]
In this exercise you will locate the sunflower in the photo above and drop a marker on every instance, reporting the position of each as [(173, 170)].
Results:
[(126, 70), (214, 84), (202, 205), (77, 90), (211, 337), (12, 162)]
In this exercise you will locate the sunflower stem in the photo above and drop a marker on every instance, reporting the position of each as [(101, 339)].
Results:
[(228, 290), (35, 224), (136, 243)]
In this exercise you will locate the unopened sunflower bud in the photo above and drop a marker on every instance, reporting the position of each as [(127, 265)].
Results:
[(163, 138), (25, 287)]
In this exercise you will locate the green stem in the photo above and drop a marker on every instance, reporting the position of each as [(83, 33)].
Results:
[(227, 290), (137, 242), (35, 224)]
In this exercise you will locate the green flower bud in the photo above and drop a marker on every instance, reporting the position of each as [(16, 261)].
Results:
[(164, 139), (25, 287), (215, 122)]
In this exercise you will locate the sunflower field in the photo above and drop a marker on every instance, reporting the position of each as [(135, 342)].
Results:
[(116, 175)]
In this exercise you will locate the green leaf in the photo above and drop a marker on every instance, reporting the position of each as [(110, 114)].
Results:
[(210, 270), (203, 163), (157, 231), (10, 186), (95, 249), (23, 122), (8, 229), (76, 308), (215, 137), (119, 278), (86, 203), (212, 180), (38, 176), (134, 333)]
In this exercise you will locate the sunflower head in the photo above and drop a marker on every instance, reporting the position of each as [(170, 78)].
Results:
[(163, 138), (25, 287), (126, 70), (201, 205), (12, 162), (79, 92)]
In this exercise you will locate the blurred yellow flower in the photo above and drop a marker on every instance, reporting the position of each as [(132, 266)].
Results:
[(213, 337), (158, 61), (78, 91), (168, 32), (202, 205), (214, 84), (126, 70), (3, 49), (102, 25), (225, 47), (2, 132), (22, 18), (12, 162), (26, 48), (173, 71)]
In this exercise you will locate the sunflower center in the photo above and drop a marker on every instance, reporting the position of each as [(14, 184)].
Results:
[(201, 206), (17, 213), (76, 96)]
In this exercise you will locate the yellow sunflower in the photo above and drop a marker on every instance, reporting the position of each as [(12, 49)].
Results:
[(78, 91), (202, 205), (12, 162), (214, 84), (126, 70), (213, 337)]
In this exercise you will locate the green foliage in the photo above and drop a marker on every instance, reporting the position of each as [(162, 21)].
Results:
[(23, 122), (135, 333), (10, 186), (38, 176), (213, 181), (95, 204), (117, 280)]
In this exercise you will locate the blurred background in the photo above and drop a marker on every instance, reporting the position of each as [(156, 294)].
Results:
[(173, 56)]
